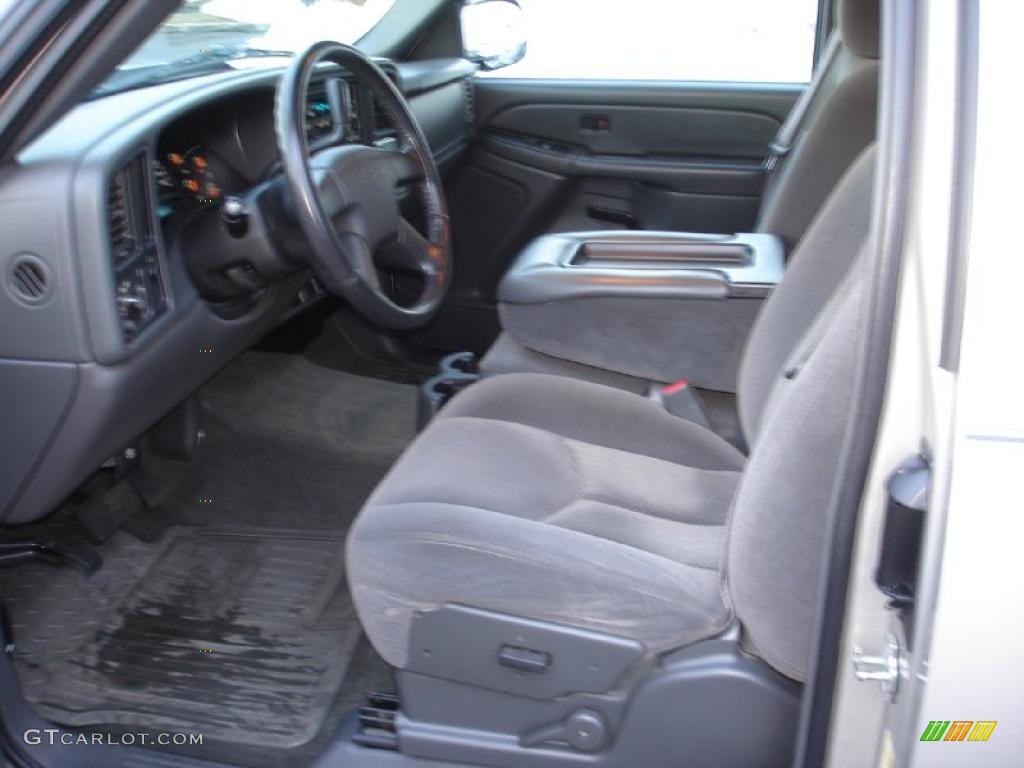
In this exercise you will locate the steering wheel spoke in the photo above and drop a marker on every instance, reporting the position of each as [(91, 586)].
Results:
[(409, 250), (408, 166), (366, 269), (333, 198)]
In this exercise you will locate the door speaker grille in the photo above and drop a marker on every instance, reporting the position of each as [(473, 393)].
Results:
[(29, 279)]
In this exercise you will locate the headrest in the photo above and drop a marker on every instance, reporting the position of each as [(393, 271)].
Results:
[(858, 25)]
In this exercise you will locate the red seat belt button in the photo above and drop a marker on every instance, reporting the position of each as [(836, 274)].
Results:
[(675, 386)]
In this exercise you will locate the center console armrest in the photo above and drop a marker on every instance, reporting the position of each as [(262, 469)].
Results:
[(654, 305), (637, 264)]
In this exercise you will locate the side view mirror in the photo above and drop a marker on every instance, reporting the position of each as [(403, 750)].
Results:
[(493, 32)]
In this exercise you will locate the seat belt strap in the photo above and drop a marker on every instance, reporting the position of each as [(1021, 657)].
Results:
[(783, 141)]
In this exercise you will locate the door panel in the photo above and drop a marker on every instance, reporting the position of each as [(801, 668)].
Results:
[(681, 173), (606, 129), (557, 155)]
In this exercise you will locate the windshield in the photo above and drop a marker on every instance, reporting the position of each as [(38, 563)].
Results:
[(207, 35)]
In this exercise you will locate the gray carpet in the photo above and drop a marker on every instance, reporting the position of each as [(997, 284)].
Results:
[(226, 612), (291, 443)]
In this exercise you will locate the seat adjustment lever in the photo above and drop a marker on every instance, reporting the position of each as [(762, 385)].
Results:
[(585, 730), (524, 659)]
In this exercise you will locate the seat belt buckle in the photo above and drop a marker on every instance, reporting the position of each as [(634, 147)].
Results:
[(675, 387), (660, 393), (680, 399)]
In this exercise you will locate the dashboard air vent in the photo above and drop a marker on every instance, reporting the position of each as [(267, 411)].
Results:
[(29, 279), (119, 217), (468, 101), (127, 214), (139, 295)]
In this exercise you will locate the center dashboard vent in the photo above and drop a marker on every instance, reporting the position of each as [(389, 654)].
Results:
[(122, 238), (127, 214), (138, 280)]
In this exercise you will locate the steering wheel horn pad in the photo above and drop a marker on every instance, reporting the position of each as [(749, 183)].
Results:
[(347, 197)]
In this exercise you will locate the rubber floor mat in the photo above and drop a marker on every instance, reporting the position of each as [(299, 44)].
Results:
[(242, 635)]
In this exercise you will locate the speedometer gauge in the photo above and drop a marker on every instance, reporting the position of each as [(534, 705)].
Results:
[(195, 177), (319, 121)]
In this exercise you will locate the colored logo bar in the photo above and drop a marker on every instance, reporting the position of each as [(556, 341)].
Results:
[(958, 730)]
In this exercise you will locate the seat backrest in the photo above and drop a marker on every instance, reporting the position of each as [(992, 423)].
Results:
[(838, 124), (815, 269), (796, 389)]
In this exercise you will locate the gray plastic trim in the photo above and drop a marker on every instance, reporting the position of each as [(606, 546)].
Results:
[(763, 105), (474, 646), (643, 264), (709, 702), (692, 174), (112, 405), (418, 76), (34, 398)]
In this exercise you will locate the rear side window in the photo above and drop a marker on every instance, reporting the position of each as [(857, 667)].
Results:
[(715, 40)]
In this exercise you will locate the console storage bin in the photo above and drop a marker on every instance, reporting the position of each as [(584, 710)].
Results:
[(662, 306)]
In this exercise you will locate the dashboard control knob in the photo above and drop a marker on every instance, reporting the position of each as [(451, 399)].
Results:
[(235, 215)]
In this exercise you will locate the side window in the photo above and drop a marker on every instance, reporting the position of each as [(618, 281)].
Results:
[(710, 40)]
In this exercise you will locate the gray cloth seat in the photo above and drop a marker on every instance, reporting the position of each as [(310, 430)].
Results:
[(567, 501), (837, 125), (612, 505)]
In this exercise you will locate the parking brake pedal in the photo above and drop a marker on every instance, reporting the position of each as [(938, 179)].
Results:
[(377, 722)]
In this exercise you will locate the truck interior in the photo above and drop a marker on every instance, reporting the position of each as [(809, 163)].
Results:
[(361, 411)]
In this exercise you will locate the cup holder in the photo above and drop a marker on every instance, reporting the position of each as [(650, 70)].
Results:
[(456, 372), (461, 363)]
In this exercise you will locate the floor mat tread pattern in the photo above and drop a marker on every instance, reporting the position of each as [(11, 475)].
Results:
[(212, 639)]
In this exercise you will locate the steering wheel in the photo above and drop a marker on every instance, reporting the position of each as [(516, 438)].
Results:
[(346, 198)]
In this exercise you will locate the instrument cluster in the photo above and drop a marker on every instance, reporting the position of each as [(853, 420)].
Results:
[(230, 146), (186, 176), (319, 119)]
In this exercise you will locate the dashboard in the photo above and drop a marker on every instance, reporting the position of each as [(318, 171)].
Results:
[(103, 218), (215, 151), (202, 157)]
